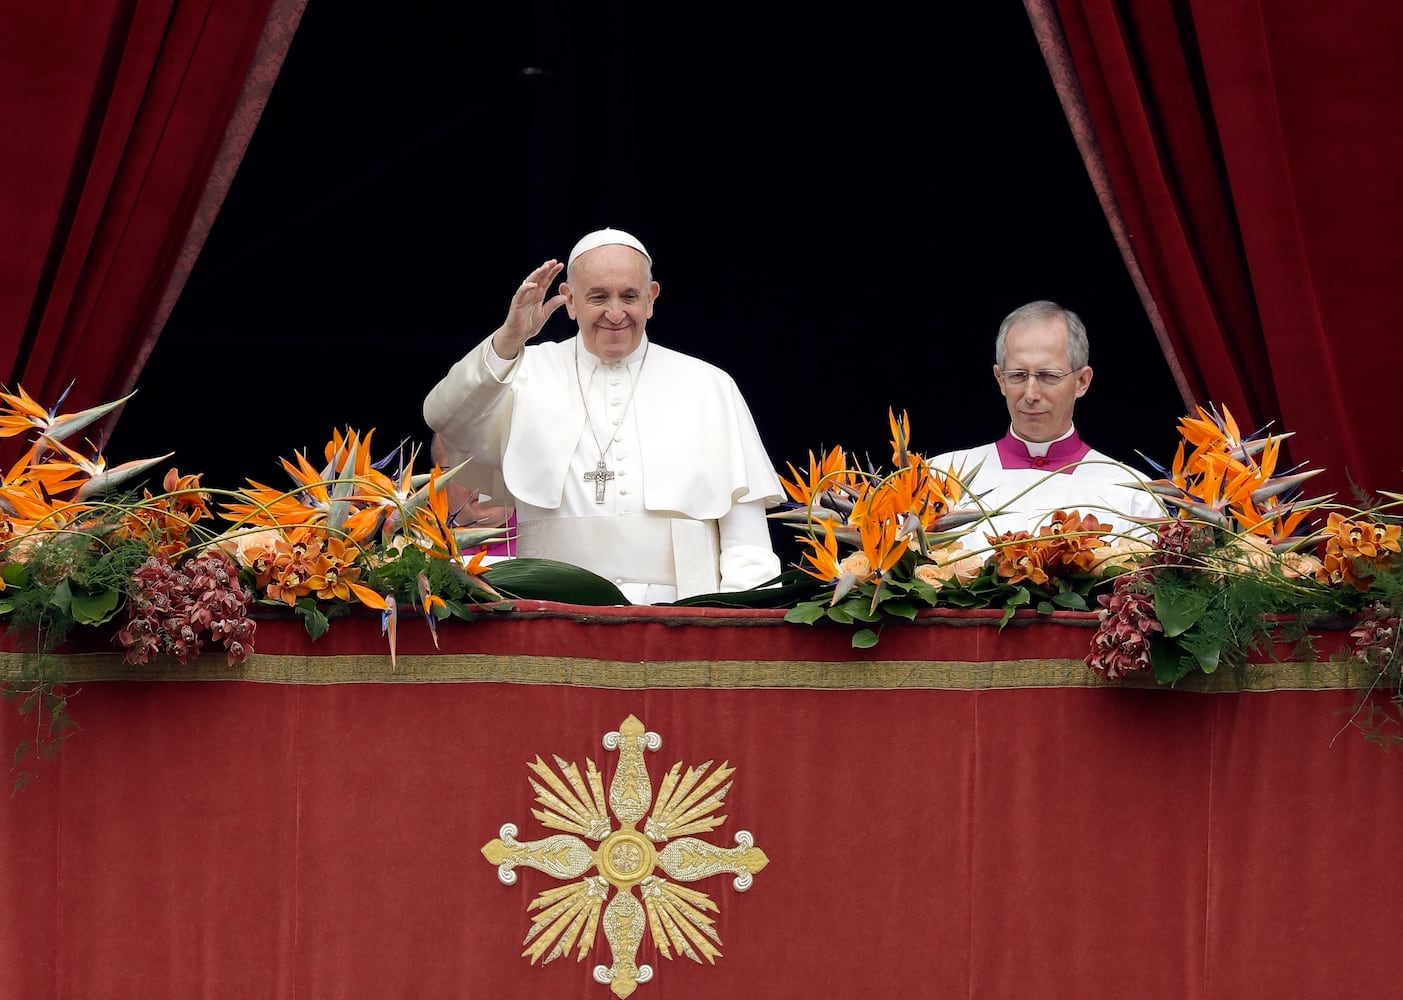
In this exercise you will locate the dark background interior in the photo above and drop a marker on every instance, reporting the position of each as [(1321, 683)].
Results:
[(840, 208)]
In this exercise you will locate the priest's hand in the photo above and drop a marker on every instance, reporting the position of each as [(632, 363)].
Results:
[(529, 310)]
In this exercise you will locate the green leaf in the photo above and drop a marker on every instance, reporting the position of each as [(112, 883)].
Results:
[(312, 617), (1206, 650), (94, 609), (864, 639), (783, 591), (840, 614), (1178, 609), (900, 609), (860, 609), (1070, 600), (1168, 659), (806, 614), (548, 580), (62, 597)]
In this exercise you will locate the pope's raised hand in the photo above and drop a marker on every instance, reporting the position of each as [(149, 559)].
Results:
[(530, 308)]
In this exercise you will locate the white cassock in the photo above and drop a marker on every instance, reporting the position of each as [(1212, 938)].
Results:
[(1033, 481), (681, 508)]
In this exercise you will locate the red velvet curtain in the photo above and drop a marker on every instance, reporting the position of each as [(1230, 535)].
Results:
[(1247, 156), (123, 124)]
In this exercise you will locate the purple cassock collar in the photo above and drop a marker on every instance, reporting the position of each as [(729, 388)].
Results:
[(1013, 453)]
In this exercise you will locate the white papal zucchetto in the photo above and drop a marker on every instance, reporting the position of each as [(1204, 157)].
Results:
[(605, 238)]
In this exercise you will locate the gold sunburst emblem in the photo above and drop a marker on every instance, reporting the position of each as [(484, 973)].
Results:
[(625, 858)]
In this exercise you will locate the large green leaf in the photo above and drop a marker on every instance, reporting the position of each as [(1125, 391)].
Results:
[(1168, 659), (807, 614), (548, 580), (1179, 608), (864, 639), (94, 609), (1206, 650), (783, 591)]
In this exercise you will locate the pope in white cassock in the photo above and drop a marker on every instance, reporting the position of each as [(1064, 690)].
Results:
[(631, 460), (1041, 465)]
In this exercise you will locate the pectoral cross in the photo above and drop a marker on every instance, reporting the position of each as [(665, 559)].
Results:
[(600, 476)]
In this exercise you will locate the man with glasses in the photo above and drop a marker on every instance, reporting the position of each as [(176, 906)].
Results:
[(1041, 465)]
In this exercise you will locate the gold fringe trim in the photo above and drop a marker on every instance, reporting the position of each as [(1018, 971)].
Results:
[(585, 672)]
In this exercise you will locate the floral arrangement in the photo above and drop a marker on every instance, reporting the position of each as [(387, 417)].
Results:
[(175, 573), (1237, 556), (914, 542), (1239, 561)]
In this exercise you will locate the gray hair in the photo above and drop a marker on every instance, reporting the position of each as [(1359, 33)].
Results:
[(1042, 311)]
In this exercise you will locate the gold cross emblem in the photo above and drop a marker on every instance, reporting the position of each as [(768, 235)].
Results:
[(626, 859)]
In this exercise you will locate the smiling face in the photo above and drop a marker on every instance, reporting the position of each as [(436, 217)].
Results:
[(609, 294), (1040, 412)]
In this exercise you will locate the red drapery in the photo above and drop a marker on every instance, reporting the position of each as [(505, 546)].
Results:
[(934, 827), (1246, 155), (124, 123)]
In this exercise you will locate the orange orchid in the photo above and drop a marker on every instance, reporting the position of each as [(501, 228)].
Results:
[(1018, 557)]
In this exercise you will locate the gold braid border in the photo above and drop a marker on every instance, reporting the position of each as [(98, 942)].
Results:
[(953, 675)]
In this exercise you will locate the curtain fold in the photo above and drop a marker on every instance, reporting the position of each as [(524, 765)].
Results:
[(133, 118), (1248, 157)]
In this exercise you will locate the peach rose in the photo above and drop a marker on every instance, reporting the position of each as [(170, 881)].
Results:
[(858, 565), (1301, 565), (1122, 554), (245, 546), (951, 562), (1252, 553)]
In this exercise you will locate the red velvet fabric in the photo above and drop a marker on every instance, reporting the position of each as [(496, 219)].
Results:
[(239, 839), (1250, 157), (115, 116)]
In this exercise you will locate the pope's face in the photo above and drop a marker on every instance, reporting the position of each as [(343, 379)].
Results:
[(1040, 412), (611, 299)]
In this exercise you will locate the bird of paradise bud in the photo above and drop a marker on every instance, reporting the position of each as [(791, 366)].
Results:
[(389, 625), (20, 413), (824, 565), (430, 529), (95, 475), (428, 601)]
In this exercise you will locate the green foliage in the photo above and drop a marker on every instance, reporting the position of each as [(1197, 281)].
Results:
[(549, 580)]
